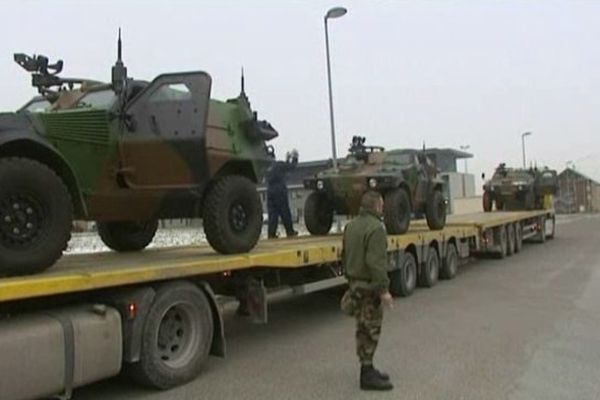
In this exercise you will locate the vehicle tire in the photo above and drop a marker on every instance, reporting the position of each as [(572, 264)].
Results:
[(318, 214), (518, 237), (541, 235), (404, 279), (127, 235), (502, 240), (36, 214), (450, 265), (431, 269), (436, 211), (499, 205), (176, 337), (553, 231), (487, 201), (396, 211), (232, 215), (510, 239)]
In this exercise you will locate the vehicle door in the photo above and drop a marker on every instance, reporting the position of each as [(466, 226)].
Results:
[(163, 143)]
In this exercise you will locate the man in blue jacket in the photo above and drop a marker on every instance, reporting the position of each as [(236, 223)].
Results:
[(277, 194)]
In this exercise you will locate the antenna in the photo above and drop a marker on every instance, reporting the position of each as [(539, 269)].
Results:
[(242, 81), (119, 71), (119, 48)]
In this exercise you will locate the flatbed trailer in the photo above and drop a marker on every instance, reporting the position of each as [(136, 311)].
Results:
[(157, 314)]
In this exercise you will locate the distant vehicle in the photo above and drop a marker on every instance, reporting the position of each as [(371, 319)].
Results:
[(408, 183), (513, 189), (126, 154)]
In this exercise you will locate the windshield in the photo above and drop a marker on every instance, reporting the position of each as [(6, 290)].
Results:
[(39, 105), (98, 99)]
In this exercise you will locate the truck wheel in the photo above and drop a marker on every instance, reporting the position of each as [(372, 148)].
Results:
[(510, 239), (127, 235), (487, 201), (553, 224), (396, 211), (518, 237), (232, 215), (450, 264), (431, 270), (499, 205), (436, 211), (36, 214), (318, 214), (176, 337), (404, 279), (541, 235), (501, 239)]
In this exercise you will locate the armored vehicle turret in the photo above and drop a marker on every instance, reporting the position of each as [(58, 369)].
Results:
[(408, 183)]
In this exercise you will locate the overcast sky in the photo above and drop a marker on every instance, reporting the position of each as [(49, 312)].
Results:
[(447, 73)]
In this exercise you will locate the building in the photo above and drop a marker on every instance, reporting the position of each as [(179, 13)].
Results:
[(458, 185), (577, 193)]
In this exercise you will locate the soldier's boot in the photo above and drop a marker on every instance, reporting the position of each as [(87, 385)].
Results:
[(382, 374), (292, 233), (370, 379)]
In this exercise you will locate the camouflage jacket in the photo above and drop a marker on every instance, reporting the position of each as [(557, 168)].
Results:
[(365, 252)]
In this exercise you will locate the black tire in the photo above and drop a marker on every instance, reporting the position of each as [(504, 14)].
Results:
[(176, 337), (518, 237), (510, 239), (127, 235), (499, 205), (487, 201), (318, 214), (450, 265), (436, 211), (550, 236), (232, 215), (430, 271), (404, 280), (396, 211), (36, 214), (502, 240), (541, 235)]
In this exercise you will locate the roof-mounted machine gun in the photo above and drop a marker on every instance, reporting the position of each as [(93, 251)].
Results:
[(360, 151)]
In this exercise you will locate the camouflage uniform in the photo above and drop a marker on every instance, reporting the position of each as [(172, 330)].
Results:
[(365, 263)]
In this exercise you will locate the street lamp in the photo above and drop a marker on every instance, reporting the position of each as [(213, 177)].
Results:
[(523, 146), (464, 148), (335, 12)]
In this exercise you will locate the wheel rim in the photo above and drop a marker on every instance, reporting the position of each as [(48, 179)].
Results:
[(178, 336), (433, 268), (21, 220), (238, 217), (453, 263), (410, 276)]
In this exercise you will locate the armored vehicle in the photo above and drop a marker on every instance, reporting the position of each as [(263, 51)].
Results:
[(408, 183), (126, 154), (514, 189)]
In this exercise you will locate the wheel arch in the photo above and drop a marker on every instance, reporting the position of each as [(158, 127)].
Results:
[(27, 148), (237, 167)]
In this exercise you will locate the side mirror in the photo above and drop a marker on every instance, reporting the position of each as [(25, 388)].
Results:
[(483, 175)]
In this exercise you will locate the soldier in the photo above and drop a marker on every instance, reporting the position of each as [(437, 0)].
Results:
[(277, 195), (365, 258)]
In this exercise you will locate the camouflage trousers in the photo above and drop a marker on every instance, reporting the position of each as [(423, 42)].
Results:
[(365, 306)]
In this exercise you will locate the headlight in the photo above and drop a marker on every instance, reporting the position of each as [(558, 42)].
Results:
[(520, 187), (320, 185), (372, 183)]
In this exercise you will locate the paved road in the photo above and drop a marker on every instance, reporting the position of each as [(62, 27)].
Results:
[(527, 327)]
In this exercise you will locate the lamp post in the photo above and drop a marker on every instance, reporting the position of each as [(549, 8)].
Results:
[(569, 186), (523, 146), (464, 148), (335, 12)]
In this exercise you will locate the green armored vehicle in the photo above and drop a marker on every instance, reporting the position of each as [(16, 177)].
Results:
[(514, 189), (408, 183), (125, 155)]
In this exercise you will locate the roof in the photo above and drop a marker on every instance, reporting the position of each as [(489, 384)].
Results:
[(579, 174), (458, 154)]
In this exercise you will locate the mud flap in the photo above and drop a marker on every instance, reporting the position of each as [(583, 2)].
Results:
[(257, 301)]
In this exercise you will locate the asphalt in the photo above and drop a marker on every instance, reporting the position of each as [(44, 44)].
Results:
[(523, 328)]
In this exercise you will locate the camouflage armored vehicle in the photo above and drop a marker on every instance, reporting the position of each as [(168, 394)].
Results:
[(126, 154), (514, 189), (408, 183)]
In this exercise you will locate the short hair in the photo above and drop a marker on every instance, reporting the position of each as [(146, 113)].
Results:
[(370, 200)]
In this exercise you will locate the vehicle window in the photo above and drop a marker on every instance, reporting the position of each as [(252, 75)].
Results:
[(40, 105), (170, 92), (98, 99)]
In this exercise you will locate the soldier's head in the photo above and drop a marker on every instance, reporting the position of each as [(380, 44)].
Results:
[(372, 201)]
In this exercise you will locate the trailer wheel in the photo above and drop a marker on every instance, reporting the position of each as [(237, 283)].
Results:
[(176, 337), (431, 269), (436, 211), (502, 240), (450, 265), (232, 215), (510, 239), (541, 235), (127, 235), (396, 211), (518, 237), (404, 279), (487, 201), (552, 232), (318, 214), (36, 213)]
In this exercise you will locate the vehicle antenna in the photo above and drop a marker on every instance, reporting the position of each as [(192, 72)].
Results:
[(119, 71), (242, 81)]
